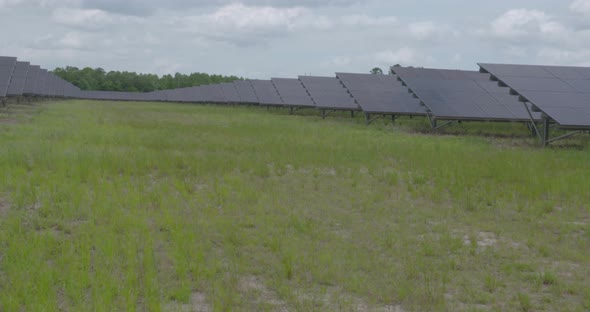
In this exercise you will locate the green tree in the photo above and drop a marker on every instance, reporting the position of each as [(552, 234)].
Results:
[(376, 71), (98, 79)]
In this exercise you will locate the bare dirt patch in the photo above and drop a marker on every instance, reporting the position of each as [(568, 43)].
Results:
[(484, 239), (334, 298), (198, 303), (252, 285), (3, 207)]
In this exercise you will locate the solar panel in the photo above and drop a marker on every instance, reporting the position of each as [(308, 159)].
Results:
[(62, 87), (246, 92), (292, 92), (40, 84), (328, 93), (17, 83), (175, 95), (31, 81), (520, 71), (381, 94), (72, 91), (212, 94), (230, 92), (266, 92), (192, 94), (116, 95), (7, 65), (561, 92), (187, 95), (462, 95), (49, 88), (159, 95)]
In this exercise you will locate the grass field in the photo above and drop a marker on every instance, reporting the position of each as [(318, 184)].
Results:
[(161, 207)]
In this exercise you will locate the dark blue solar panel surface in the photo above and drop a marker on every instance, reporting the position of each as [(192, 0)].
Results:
[(292, 92), (7, 65), (31, 82), (230, 92), (381, 94), (50, 84), (40, 84), (246, 92), (561, 92), (213, 94), (160, 95), (193, 94), (328, 93), (266, 92), (174, 95), (455, 94), (19, 76)]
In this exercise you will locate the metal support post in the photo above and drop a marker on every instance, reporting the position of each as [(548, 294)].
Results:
[(546, 126)]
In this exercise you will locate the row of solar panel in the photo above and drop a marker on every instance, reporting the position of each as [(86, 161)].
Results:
[(21, 78), (561, 92), (469, 96), (535, 92)]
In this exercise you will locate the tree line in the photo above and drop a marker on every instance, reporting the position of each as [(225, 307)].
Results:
[(100, 80)]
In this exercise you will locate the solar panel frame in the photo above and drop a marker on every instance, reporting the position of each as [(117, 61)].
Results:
[(561, 93), (327, 93), (266, 92), (230, 92), (381, 94), (246, 92), (192, 95), (49, 88), (31, 81), (19, 76), (175, 95), (212, 93), (292, 92), (40, 83), (462, 95), (7, 64)]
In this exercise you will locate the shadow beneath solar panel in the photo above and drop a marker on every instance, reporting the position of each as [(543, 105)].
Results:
[(503, 134), (485, 129), (579, 142), (15, 113)]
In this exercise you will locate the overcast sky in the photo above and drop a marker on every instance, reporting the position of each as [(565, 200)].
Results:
[(282, 38)]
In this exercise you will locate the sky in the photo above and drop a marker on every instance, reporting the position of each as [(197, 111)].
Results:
[(282, 38)]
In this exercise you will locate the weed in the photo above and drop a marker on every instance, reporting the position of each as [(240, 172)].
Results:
[(152, 206), (524, 301)]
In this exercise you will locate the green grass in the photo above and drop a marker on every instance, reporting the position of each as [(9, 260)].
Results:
[(163, 207)]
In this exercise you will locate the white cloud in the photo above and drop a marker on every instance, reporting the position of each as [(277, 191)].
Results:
[(533, 36), (556, 56), (403, 55), (581, 6), (89, 19), (457, 58), (37, 3), (239, 16), (243, 25), (289, 37), (337, 62), (515, 51), (519, 24)]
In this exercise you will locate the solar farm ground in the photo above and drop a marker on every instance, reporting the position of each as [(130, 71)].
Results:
[(163, 207)]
